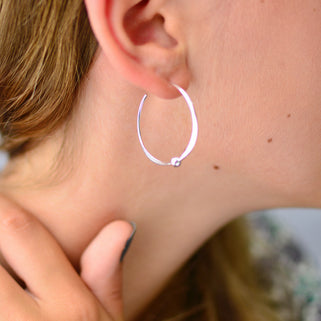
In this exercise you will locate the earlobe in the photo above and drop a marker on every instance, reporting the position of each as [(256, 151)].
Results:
[(134, 37)]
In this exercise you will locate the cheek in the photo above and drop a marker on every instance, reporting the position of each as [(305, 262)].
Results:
[(264, 72)]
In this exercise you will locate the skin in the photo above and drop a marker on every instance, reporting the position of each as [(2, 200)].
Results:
[(54, 290), (253, 70)]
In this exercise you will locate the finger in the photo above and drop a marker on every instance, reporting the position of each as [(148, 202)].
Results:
[(32, 252), (101, 268), (12, 297)]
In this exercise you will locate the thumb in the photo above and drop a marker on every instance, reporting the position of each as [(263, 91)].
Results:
[(101, 265)]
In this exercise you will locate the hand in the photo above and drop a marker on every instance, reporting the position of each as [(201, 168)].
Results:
[(54, 291)]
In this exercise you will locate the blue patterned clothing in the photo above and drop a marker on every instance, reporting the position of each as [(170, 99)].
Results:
[(294, 277)]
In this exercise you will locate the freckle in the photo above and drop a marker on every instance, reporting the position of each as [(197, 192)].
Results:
[(216, 167), (262, 1), (289, 115), (270, 140), (314, 9)]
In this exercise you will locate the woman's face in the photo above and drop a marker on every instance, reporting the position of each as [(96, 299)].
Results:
[(256, 68)]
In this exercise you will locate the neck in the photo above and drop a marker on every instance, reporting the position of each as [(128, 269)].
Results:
[(176, 210)]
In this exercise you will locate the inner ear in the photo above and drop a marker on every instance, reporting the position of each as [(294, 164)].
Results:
[(142, 30)]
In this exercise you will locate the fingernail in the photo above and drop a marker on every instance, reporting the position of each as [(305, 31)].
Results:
[(129, 241)]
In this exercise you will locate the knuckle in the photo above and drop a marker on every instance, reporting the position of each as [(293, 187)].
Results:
[(15, 220), (115, 295)]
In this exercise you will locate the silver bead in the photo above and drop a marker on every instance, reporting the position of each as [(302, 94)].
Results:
[(176, 162)]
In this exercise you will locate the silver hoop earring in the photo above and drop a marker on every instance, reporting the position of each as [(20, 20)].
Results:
[(175, 161)]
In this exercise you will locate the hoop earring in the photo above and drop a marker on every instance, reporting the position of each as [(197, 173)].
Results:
[(175, 161)]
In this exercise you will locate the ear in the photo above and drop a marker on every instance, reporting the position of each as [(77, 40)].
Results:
[(142, 40)]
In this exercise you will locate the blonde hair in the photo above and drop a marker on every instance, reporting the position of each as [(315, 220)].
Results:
[(46, 48), (220, 282)]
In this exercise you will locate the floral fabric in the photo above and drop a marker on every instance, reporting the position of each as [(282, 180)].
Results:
[(295, 280)]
